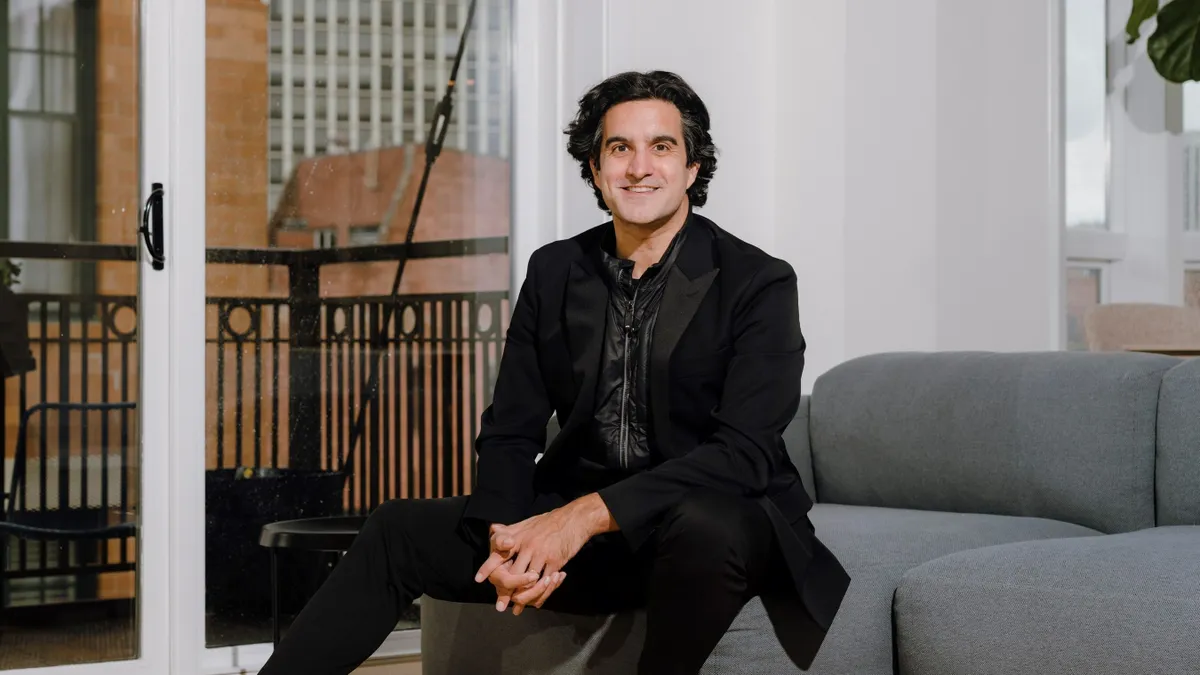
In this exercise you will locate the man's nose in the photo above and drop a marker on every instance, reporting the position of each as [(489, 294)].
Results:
[(639, 167)]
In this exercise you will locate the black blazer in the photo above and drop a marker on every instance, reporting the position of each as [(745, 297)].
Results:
[(726, 358)]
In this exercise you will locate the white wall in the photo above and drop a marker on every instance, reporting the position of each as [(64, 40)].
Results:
[(901, 155)]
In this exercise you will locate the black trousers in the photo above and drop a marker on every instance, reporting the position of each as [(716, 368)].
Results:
[(711, 554)]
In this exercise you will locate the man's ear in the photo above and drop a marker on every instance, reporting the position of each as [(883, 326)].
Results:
[(693, 171)]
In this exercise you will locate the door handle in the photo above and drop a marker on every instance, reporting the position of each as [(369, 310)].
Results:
[(152, 226)]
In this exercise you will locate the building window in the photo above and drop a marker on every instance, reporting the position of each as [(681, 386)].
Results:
[(325, 237), (364, 235), (48, 144)]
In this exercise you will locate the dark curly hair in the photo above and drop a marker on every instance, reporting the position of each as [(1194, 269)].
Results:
[(585, 133)]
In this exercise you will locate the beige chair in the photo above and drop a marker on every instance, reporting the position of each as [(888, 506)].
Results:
[(1118, 326)]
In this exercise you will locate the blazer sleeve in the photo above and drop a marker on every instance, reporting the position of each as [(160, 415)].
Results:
[(761, 395), (513, 427)]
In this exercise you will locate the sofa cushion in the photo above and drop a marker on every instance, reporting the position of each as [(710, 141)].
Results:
[(877, 546), (1059, 435), (1178, 464), (1116, 604), (795, 439)]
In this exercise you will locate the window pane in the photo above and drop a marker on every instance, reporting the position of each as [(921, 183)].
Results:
[(58, 27), (1191, 155), (1191, 288), (41, 197), (59, 84), (1086, 75), (71, 599), (24, 81), (285, 389), (1083, 292), (24, 20)]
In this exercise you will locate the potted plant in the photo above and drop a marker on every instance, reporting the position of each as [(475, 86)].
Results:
[(15, 355), (1173, 45)]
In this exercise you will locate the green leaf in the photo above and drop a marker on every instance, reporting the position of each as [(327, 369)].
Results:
[(1174, 47), (1142, 11)]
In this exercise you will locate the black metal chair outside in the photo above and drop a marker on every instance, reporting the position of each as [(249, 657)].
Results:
[(47, 521)]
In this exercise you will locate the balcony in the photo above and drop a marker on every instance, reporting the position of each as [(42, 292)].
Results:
[(288, 376)]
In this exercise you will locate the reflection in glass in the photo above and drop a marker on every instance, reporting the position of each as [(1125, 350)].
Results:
[(1086, 75), (1190, 142), (1191, 288), (330, 137), (1083, 293), (69, 351)]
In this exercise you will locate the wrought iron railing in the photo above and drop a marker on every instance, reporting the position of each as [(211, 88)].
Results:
[(285, 375), (438, 362)]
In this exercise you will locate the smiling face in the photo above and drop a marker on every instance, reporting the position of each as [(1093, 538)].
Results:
[(643, 171)]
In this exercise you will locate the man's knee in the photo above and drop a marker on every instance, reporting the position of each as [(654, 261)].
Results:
[(390, 517), (712, 525)]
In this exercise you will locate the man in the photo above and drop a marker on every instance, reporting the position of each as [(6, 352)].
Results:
[(670, 352)]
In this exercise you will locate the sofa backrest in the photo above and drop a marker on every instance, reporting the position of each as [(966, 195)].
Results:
[(1178, 466), (795, 439), (1062, 435)]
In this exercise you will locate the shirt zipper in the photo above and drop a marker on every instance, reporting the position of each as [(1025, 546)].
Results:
[(624, 449)]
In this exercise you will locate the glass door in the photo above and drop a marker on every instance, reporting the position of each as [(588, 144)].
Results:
[(326, 387), (84, 400)]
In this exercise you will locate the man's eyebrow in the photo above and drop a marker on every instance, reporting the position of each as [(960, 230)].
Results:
[(661, 138)]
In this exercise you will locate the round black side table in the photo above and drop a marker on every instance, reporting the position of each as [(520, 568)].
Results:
[(334, 533)]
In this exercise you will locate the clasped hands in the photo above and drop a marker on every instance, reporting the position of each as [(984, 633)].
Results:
[(527, 558)]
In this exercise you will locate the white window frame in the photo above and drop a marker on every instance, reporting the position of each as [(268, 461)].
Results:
[(155, 603), (533, 28), (1145, 249)]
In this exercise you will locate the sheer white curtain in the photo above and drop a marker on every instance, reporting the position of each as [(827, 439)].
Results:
[(42, 135)]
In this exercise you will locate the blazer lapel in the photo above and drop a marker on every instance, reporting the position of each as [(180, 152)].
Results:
[(688, 282), (585, 309)]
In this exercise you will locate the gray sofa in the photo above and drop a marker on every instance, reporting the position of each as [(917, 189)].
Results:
[(999, 513)]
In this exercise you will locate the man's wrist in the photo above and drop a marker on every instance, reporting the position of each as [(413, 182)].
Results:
[(594, 512)]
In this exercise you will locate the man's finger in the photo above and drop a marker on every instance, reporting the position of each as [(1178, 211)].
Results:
[(554, 584), (493, 561), (505, 577), (521, 563), (527, 595), (502, 599), (506, 536)]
